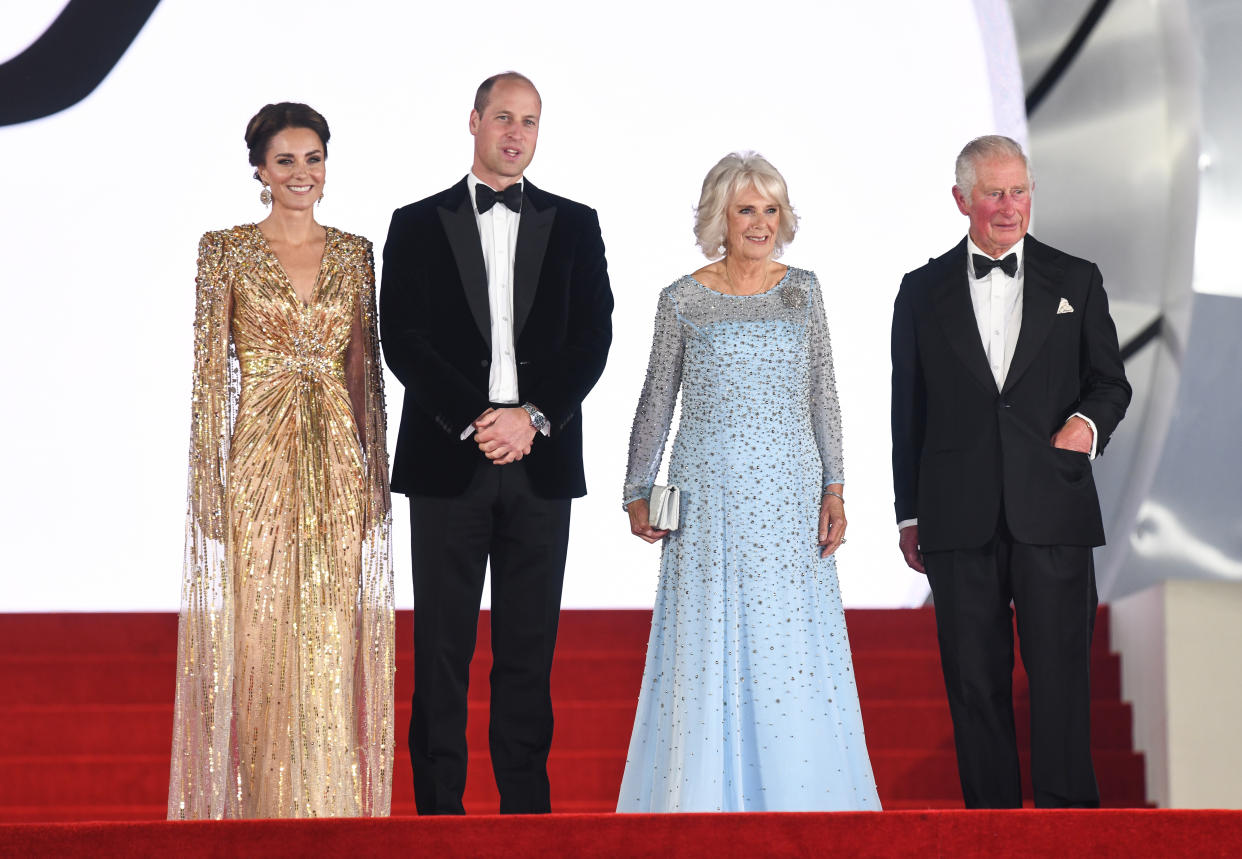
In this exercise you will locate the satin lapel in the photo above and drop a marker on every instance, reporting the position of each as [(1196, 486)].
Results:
[(1039, 308), (463, 235), (951, 303), (535, 226)]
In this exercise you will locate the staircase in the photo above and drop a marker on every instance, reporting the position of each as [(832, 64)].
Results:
[(87, 713)]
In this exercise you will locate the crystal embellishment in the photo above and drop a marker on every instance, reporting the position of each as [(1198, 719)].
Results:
[(792, 296)]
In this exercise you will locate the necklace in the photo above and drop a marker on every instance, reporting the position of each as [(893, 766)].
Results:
[(733, 289)]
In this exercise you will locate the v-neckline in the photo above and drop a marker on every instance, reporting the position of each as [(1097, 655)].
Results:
[(284, 275)]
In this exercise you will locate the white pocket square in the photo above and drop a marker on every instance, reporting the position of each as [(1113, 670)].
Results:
[(1064, 307)]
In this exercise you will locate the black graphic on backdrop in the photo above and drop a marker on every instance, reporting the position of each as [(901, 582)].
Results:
[(73, 57)]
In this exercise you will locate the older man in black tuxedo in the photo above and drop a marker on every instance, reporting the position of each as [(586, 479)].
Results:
[(1007, 381), (495, 312)]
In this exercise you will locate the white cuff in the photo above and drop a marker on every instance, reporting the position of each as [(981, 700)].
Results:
[(469, 430), (1095, 433), (906, 523)]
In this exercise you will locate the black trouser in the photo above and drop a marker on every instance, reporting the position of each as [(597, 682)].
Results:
[(498, 516), (1053, 593)]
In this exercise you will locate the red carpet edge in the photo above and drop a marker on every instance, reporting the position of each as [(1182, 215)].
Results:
[(1103, 833)]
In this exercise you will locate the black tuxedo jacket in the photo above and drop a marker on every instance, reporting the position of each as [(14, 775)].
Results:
[(960, 446), (436, 330)]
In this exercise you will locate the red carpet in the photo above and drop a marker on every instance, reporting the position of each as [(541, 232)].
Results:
[(952, 834), (86, 731), (88, 707)]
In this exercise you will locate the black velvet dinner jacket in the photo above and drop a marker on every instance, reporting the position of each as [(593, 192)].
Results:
[(960, 446), (436, 331)]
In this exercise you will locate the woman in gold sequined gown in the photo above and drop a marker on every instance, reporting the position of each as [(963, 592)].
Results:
[(285, 648)]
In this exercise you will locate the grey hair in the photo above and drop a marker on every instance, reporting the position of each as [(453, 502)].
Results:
[(731, 175), (981, 149)]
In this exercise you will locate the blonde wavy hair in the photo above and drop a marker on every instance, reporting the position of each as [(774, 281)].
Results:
[(732, 175)]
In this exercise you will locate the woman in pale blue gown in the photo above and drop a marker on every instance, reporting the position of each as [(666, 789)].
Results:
[(748, 701)]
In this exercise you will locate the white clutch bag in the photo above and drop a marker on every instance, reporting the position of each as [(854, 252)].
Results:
[(665, 508)]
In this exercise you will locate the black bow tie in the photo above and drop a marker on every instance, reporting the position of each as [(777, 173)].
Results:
[(485, 197), (983, 265)]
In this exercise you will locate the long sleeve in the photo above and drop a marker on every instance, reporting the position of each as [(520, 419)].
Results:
[(376, 665), (355, 362), (909, 407), (564, 379), (654, 414), (407, 321), (825, 407), (198, 783), (1105, 390)]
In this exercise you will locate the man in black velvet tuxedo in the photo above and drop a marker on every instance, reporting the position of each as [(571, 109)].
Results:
[(495, 313), (1007, 381)]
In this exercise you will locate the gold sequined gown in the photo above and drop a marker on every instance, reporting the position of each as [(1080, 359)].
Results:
[(285, 654)]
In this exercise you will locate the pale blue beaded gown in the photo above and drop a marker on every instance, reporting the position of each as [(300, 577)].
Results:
[(748, 700)]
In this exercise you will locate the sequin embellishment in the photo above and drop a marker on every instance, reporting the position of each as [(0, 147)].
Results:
[(284, 702), (748, 700)]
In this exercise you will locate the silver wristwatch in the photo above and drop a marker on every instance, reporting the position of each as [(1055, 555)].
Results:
[(538, 419)]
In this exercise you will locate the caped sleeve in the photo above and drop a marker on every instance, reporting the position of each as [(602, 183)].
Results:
[(198, 784), (376, 666)]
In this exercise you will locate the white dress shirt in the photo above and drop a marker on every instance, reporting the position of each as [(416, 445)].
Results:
[(997, 301), (498, 230)]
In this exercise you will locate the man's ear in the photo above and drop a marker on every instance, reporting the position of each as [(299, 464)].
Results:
[(475, 119), (963, 205)]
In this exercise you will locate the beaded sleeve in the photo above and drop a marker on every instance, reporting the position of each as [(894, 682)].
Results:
[(654, 414), (204, 779), (825, 407), (376, 618), (199, 785)]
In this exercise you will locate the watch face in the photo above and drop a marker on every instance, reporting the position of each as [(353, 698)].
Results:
[(537, 418)]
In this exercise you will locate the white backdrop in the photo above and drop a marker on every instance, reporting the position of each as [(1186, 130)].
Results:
[(861, 106)]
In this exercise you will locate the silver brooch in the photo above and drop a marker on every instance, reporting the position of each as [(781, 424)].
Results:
[(792, 296)]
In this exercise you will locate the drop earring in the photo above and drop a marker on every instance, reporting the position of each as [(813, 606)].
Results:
[(320, 200), (265, 196)]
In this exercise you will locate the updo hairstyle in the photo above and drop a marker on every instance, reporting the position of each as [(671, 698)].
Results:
[(275, 118)]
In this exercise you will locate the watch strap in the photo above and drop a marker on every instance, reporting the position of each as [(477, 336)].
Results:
[(538, 419)]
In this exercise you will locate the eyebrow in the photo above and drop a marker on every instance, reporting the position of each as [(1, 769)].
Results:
[(290, 154)]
